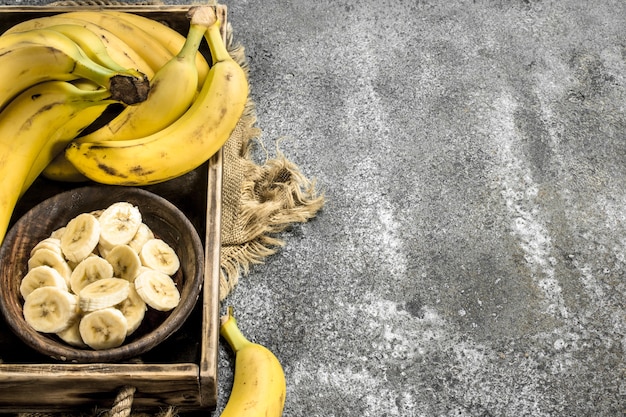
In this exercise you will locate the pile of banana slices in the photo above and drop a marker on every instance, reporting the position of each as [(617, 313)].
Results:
[(92, 281)]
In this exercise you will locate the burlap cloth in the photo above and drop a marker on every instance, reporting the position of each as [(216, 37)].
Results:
[(259, 201)]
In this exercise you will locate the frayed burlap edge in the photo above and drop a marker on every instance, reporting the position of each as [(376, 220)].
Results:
[(259, 201)]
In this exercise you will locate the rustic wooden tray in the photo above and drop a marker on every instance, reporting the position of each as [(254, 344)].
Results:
[(182, 371)]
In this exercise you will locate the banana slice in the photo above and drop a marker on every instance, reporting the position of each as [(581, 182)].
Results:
[(56, 234), (50, 309), (119, 223), (160, 256), (41, 276), (72, 336), (125, 261), (103, 293), (52, 259), (51, 243), (158, 290), (80, 237), (144, 233), (103, 329), (90, 269), (134, 309)]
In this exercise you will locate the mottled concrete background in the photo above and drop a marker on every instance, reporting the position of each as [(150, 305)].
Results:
[(471, 258)]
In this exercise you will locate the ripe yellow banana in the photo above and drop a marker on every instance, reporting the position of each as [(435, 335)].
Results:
[(119, 51), (51, 162), (94, 47), (172, 90), (259, 387), (27, 58), (27, 123), (144, 43), (182, 146), (168, 37)]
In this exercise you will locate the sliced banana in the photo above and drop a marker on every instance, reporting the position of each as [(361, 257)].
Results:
[(144, 233), (80, 237), (56, 234), (72, 336), (90, 269), (103, 329), (103, 293), (52, 259), (50, 309), (125, 261), (134, 309), (51, 243), (160, 256), (41, 276), (119, 223), (157, 289)]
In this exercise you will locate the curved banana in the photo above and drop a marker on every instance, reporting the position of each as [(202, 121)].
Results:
[(27, 123), (170, 38), (259, 387), (93, 46), (51, 161), (172, 90), (119, 51), (182, 146), (28, 58), (144, 43)]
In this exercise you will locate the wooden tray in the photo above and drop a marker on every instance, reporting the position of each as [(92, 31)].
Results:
[(182, 371)]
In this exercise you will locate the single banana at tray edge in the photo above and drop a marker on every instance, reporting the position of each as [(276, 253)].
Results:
[(185, 144), (259, 386), (119, 50), (28, 58), (26, 125), (172, 90)]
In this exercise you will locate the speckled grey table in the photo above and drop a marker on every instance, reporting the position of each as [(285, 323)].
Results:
[(471, 257)]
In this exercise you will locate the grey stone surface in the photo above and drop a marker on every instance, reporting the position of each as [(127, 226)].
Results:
[(471, 257)]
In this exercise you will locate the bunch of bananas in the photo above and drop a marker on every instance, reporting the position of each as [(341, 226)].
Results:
[(62, 75)]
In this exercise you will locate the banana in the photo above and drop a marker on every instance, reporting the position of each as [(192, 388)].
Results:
[(51, 243), (94, 48), (157, 290), (144, 233), (119, 51), (60, 169), (103, 329), (103, 293), (28, 58), (134, 309), (118, 224), (182, 146), (50, 309), (41, 276), (172, 90), (170, 38), (125, 262), (158, 255), (27, 125), (89, 270), (150, 49), (52, 259), (81, 237), (71, 335), (259, 387)]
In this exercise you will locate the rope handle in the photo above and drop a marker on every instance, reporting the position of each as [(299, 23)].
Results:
[(123, 403)]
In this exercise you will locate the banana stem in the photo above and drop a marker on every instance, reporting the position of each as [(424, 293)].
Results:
[(128, 89), (232, 334), (218, 49)]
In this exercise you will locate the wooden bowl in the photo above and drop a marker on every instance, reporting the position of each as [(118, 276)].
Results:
[(166, 221)]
